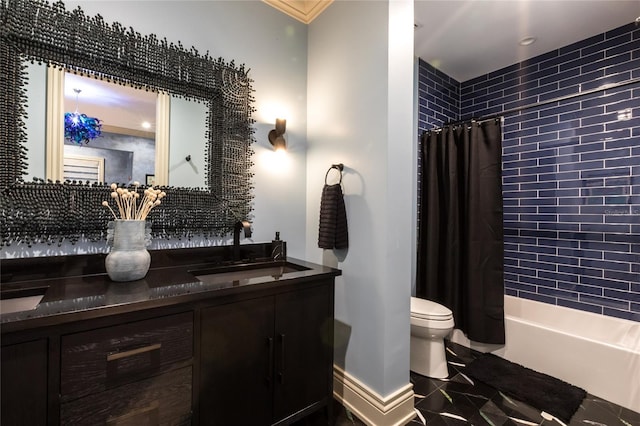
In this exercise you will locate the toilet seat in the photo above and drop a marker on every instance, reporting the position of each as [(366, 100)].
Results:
[(429, 310)]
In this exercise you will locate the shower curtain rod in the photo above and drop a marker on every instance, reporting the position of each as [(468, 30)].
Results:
[(472, 120), (548, 101)]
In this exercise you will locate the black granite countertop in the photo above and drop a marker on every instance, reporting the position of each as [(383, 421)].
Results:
[(76, 287)]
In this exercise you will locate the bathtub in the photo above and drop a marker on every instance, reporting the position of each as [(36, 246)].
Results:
[(598, 353)]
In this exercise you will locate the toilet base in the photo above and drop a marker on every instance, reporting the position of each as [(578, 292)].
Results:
[(428, 357)]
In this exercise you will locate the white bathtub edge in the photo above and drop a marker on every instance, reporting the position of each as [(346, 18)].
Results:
[(582, 357)]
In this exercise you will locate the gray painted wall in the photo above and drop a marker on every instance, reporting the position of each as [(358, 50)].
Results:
[(360, 93)]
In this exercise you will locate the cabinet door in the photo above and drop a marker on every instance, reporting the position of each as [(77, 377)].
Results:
[(236, 363), (24, 383), (304, 349)]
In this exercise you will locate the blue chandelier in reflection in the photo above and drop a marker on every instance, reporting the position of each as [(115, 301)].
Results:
[(79, 128)]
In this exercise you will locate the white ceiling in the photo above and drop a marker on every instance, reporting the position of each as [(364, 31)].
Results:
[(469, 38)]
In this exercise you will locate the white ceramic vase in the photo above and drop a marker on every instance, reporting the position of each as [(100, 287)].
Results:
[(128, 259)]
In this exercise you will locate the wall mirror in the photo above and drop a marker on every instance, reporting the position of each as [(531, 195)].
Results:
[(210, 90)]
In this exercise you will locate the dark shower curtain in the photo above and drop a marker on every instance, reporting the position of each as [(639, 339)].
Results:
[(460, 246)]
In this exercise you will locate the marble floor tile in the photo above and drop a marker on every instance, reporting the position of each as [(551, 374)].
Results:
[(459, 400)]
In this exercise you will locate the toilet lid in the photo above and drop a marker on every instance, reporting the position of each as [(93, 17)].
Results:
[(428, 309)]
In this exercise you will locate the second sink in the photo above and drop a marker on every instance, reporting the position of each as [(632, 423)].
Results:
[(242, 274)]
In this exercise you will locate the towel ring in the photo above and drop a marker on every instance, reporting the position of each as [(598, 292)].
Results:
[(339, 167)]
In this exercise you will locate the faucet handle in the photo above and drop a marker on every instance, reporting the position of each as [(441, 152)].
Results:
[(247, 229), (244, 225)]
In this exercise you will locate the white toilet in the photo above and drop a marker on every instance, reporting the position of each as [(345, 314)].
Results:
[(430, 324)]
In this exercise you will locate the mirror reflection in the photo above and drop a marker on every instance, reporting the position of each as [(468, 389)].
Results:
[(124, 152), (187, 133)]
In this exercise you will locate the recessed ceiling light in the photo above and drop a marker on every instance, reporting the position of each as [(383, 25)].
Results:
[(146, 125), (527, 41)]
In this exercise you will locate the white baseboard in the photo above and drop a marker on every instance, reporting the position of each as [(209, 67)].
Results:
[(395, 409)]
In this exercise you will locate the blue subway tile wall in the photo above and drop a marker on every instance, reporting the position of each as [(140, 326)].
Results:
[(571, 170), (439, 103), (439, 98)]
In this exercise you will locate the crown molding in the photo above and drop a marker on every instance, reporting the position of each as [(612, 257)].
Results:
[(303, 10)]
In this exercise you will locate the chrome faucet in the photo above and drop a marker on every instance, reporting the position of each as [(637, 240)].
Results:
[(239, 226)]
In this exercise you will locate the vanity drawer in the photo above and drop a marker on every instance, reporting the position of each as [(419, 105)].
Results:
[(104, 358), (160, 400)]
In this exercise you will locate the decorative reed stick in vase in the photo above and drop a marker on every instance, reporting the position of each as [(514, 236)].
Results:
[(127, 202)]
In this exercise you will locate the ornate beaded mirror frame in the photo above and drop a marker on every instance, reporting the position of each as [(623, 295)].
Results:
[(39, 211)]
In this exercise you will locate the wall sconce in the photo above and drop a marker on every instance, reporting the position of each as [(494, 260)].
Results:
[(276, 136)]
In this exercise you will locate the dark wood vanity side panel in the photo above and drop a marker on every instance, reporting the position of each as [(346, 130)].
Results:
[(24, 384), (101, 359)]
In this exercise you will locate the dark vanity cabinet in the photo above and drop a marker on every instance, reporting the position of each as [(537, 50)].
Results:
[(193, 353), (267, 360), (24, 383)]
